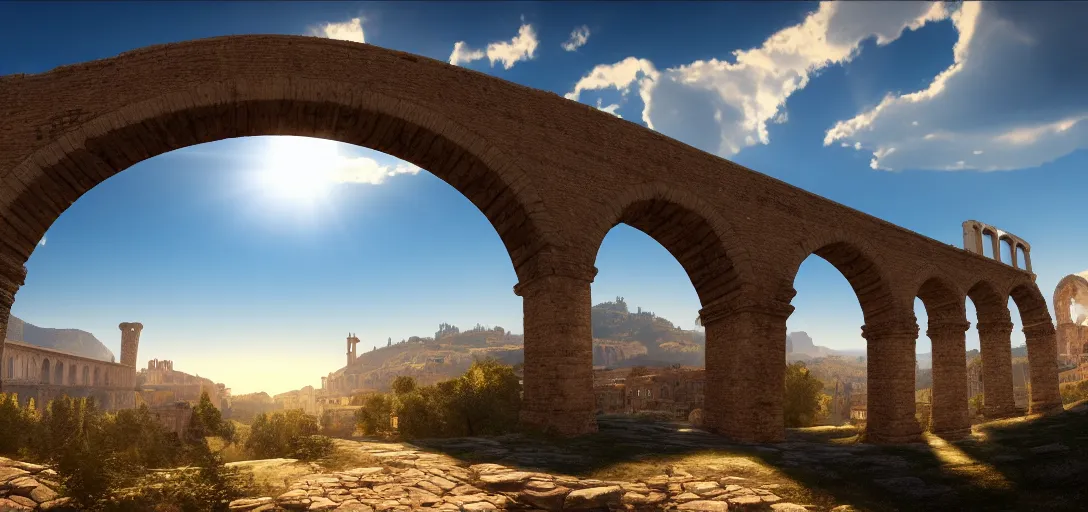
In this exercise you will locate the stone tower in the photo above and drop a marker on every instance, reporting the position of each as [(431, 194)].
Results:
[(352, 342), (130, 342)]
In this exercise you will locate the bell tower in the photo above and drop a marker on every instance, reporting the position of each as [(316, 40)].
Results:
[(130, 342)]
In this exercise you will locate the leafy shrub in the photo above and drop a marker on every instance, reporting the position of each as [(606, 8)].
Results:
[(16, 423), (802, 399), (485, 400), (1074, 391), (287, 434), (102, 459), (403, 384), (337, 425), (373, 417)]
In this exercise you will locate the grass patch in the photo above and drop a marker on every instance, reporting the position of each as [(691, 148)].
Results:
[(342, 459)]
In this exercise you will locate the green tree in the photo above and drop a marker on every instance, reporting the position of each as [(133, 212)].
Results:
[(422, 413), (403, 384), (286, 434), (802, 396), (70, 439), (206, 421), (140, 440), (14, 423), (487, 398), (373, 417)]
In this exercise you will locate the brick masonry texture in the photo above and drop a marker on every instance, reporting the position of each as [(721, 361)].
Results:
[(552, 175)]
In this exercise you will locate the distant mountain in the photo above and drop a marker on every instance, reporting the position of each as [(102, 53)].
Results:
[(925, 359), (73, 341), (799, 347)]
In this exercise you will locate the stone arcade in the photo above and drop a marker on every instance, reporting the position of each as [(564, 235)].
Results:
[(43, 374), (552, 176)]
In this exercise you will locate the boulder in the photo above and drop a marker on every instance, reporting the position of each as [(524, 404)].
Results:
[(593, 497)]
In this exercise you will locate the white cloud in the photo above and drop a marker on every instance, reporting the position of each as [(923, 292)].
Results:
[(521, 47), (611, 108), (723, 107), (351, 30), (578, 39), (1013, 98), (363, 169), (42, 241), (462, 54)]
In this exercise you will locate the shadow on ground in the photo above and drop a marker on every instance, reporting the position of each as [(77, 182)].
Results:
[(1031, 463)]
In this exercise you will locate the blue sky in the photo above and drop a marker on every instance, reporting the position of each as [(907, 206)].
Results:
[(920, 115)]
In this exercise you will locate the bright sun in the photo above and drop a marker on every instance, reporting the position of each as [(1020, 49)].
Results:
[(299, 169)]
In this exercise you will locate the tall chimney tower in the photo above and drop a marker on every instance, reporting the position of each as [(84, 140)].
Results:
[(130, 342)]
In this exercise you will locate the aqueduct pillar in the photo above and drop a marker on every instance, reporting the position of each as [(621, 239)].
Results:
[(1042, 344), (950, 412), (891, 372), (995, 340), (745, 365), (558, 393)]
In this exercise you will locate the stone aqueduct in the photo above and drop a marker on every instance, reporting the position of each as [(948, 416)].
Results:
[(553, 177)]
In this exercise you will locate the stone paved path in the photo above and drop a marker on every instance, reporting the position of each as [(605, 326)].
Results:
[(26, 486), (412, 479)]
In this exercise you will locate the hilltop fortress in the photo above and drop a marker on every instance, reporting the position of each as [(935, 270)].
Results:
[(429, 360)]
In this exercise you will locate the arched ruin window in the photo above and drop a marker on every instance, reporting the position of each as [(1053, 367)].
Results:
[(44, 372), (71, 375), (1021, 257), (86, 376), (1007, 250), (97, 376), (988, 238), (11, 367), (58, 373)]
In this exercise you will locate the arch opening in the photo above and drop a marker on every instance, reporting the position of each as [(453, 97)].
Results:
[(692, 240), (942, 402), (45, 371), (89, 155), (991, 386), (656, 338), (58, 373), (989, 243), (819, 317)]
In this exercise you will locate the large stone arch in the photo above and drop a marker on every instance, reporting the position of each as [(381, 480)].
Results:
[(945, 307), (45, 184), (704, 243), (1072, 333), (858, 261), (994, 334), (716, 262), (1071, 287), (890, 330), (1041, 339), (92, 145)]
